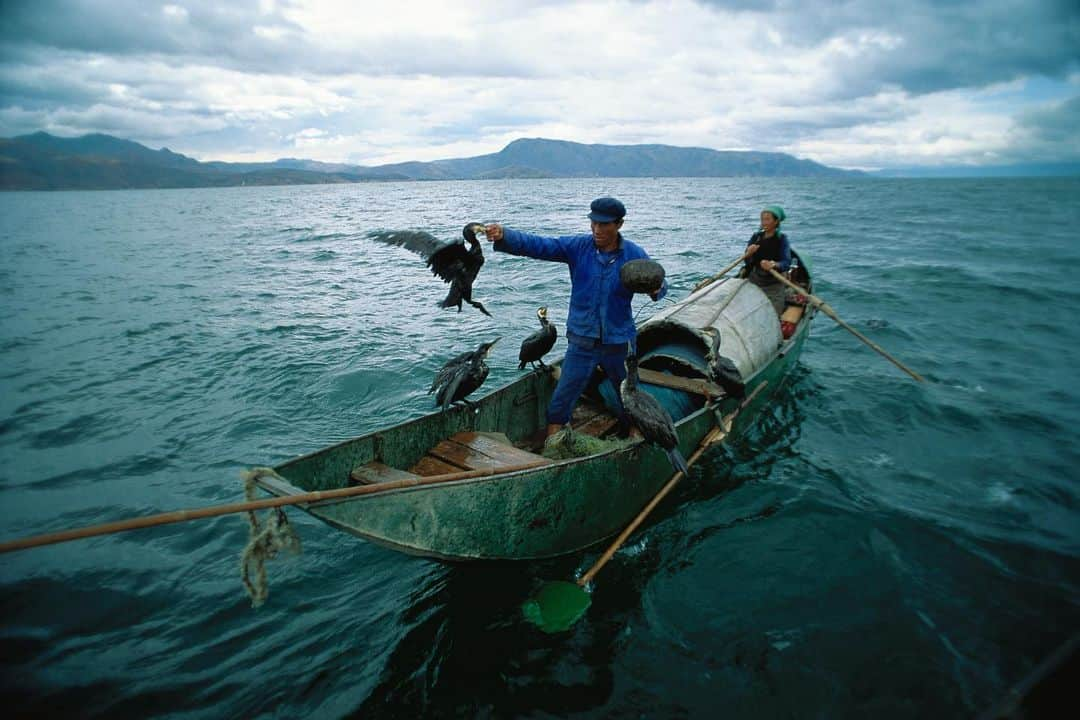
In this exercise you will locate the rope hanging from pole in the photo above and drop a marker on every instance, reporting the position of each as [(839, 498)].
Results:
[(265, 541)]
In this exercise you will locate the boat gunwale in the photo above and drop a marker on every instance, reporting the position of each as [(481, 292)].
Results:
[(554, 464)]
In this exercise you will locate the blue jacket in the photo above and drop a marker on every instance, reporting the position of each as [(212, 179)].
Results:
[(599, 304)]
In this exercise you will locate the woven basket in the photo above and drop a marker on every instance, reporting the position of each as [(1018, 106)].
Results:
[(642, 276)]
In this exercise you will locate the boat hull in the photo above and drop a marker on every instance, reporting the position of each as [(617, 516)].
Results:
[(534, 513)]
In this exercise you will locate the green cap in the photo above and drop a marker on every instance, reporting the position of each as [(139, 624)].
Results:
[(776, 210)]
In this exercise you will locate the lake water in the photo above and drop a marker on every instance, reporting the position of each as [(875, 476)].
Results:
[(874, 547)]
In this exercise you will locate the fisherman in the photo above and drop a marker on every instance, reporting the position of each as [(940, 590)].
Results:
[(769, 249), (600, 326)]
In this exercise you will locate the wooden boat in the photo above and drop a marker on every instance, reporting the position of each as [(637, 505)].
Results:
[(470, 483)]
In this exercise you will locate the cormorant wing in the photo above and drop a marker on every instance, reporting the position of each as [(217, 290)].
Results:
[(453, 259), (446, 395), (538, 344), (447, 371), (423, 244), (653, 421)]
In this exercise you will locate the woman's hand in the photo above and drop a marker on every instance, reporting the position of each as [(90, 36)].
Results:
[(494, 232)]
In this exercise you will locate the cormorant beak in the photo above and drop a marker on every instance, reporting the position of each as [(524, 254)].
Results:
[(541, 313), (472, 230), (488, 346)]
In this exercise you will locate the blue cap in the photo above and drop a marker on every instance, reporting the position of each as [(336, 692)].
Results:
[(606, 209)]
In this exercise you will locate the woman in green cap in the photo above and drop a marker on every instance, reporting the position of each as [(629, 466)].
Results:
[(769, 249)]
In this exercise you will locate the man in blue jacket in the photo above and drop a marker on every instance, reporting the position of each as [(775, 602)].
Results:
[(600, 327)]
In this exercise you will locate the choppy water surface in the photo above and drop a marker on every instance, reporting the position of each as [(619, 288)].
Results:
[(873, 548)]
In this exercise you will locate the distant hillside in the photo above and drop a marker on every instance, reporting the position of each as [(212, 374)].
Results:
[(101, 162), (558, 158)]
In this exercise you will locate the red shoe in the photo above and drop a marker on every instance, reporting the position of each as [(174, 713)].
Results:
[(787, 329)]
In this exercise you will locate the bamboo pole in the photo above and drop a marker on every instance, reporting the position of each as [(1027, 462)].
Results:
[(824, 307), (710, 280), (213, 511), (712, 437)]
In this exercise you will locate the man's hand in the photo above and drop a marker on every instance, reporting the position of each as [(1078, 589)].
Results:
[(494, 232), (767, 264)]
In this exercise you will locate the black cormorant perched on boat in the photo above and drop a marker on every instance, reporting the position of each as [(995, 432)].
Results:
[(461, 376), (452, 261), (650, 417), (722, 370), (537, 345)]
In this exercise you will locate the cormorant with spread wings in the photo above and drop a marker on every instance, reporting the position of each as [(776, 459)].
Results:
[(452, 261)]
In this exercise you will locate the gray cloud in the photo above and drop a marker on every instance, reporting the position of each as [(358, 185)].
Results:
[(238, 35), (940, 44), (1050, 134), (129, 27), (32, 85), (251, 76)]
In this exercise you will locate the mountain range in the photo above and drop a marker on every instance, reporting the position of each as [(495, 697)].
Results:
[(41, 161)]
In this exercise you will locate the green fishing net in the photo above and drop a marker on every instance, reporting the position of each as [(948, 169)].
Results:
[(567, 444)]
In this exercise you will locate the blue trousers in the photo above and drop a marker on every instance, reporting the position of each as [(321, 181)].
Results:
[(582, 357)]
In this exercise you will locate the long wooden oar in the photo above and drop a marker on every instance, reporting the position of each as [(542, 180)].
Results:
[(713, 436), (213, 511), (709, 280), (559, 604), (824, 306)]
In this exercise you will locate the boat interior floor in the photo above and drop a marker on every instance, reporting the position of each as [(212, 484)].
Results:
[(472, 453), (464, 453), (590, 417)]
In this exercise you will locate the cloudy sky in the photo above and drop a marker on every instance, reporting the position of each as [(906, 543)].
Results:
[(851, 83)]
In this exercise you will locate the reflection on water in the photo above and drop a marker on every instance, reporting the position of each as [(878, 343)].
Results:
[(464, 651)]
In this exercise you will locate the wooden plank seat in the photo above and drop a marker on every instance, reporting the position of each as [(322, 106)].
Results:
[(431, 465), (473, 451), (376, 472), (698, 386)]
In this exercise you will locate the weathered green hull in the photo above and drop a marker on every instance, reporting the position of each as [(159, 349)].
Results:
[(536, 513)]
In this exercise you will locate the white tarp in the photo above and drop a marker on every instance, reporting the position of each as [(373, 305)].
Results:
[(742, 314)]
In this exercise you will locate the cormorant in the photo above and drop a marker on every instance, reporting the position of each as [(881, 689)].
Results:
[(537, 345), (721, 370), (461, 376), (452, 261), (650, 417)]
